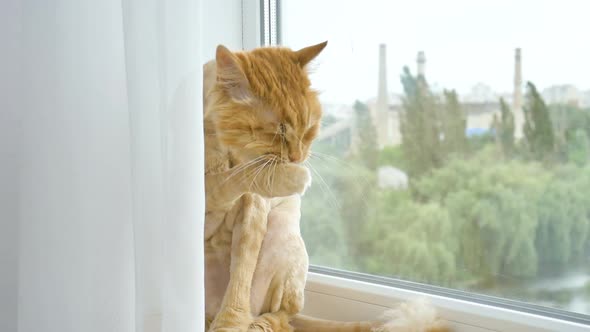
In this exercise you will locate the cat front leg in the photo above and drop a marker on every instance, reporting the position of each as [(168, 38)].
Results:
[(279, 281), (249, 231)]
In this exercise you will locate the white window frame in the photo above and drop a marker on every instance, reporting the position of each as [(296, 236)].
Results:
[(260, 23), (345, 297), (252, 24)]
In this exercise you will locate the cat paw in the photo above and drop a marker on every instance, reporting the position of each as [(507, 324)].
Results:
[(230, 320), (228, 327), (296, 179), (290, 179), (275, 321)]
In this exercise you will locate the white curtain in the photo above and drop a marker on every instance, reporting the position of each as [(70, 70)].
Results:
[(101, 197)]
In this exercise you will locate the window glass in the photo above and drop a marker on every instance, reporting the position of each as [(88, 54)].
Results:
[(455, 143)]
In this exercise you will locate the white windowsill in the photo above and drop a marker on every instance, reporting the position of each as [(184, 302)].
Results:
[(343, 299)]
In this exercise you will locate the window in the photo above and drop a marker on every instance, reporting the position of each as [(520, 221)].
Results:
[(455, 146)]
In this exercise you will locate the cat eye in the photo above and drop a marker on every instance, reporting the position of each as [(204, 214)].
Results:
[(282, 129)]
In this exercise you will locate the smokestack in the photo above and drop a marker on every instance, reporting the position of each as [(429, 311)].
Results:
[(382, 92), (421, 62), (517, 97), (381, 109)]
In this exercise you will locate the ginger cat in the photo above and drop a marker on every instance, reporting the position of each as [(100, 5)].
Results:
[(261, 117)]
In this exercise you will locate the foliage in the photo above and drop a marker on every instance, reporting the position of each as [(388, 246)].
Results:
[(578, 147), (572, 131), (410, 240), (538, 129), (392, 156), (328, 120), (432, 129), (477, 142), (564, 212), (367, 152), (419, 126), (492, 208), (356, 189), (483, 212), (320, 212), (481, 220), (336, 204), (453, 125), (504, 129)]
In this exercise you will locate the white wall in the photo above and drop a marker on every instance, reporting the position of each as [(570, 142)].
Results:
[(10, 38)]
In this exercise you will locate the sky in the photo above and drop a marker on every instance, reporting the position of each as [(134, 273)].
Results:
[(465, 41)]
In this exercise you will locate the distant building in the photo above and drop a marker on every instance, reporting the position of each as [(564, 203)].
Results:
[(390, 123), (391, 178), (480, 116), (480, 105), (480, 93), (565, 94), (337, 111)]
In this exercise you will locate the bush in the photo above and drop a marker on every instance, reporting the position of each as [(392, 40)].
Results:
[(474, 220)]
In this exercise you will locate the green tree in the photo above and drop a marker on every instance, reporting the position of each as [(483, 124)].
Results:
[(320, 208), (493, 208), (367, 151), (410, 240), (453, 125), (571, 126), (392, 156), (419, 126), (564, 218), (578, 148), (355, 187), (504, 129), (328, 120), (538, 129)]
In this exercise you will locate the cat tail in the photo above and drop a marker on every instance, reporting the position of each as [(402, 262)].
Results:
[(416, 316)]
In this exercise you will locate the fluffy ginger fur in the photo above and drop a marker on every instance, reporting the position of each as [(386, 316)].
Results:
[(261, 117)]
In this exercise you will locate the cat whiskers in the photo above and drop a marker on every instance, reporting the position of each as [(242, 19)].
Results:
[(326, 157), (271, 178), (325, 188), (243, 167), (259, 170), (248, 174)]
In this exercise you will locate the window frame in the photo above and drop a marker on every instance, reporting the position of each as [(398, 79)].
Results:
[(340, 298), (260, 23), (470, 312), (348, 295)]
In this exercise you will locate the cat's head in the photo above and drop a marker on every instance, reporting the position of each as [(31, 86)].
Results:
[(264, 104)]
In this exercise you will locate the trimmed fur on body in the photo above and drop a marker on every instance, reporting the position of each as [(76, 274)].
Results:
[(261, 117)]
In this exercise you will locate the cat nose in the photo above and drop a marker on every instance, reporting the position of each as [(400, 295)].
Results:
[(295, 157)]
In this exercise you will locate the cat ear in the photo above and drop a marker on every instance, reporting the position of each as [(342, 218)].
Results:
[(230, 75), (305, 55)]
